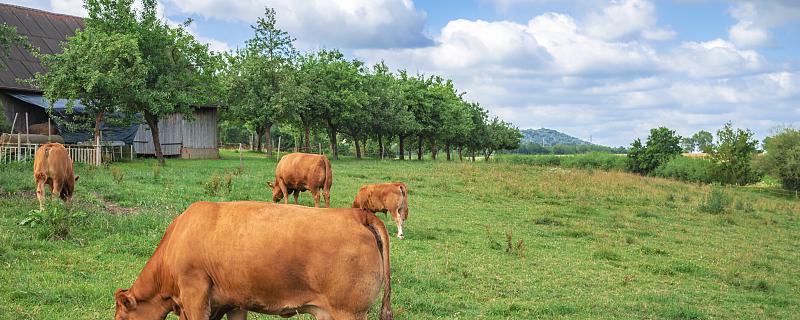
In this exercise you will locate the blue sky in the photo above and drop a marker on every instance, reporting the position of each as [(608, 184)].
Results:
[(610, 69)]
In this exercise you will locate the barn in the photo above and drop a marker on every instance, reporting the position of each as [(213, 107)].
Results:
[(46, 30)]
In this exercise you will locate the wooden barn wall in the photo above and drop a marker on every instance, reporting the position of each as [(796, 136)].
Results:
[(176, 133), (202, 132), (170, 134), (11, 106)]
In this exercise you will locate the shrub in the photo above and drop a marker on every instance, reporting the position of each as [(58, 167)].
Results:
[(117, 174), (782, 158), (662, 145), (685, 169), (213, 185), (156, 172), (731, 156), (716, 202), (55, 221), (588, 161)]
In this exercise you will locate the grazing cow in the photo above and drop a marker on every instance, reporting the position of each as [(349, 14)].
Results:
[(53, 166), (383, 197), (298, 172), (262, 257)]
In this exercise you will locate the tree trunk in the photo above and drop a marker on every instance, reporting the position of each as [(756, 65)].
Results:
[(332, 136), (152, 122), (419, 150), (487, 154), (460, 155), (402, 147), (358, 144), (380, 145), (473, 155), (308, 136), (97, 120), (259, 134), (268, 127), (447, 148), (433, 148)]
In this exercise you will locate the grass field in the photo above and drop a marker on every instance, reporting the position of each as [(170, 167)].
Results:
[(483, 240)]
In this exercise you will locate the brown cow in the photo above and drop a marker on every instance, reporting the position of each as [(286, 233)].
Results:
[(298, 172), (262, 257), (383, 197), (53, 166)]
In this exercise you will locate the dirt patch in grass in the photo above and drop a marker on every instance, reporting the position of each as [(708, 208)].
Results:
[(114, 208)]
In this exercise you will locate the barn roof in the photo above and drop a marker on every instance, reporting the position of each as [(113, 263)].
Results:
[(45, 30)]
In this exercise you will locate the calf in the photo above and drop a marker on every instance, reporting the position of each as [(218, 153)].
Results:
[(298, 172), (52, 166), (385, 197), (224, 257)]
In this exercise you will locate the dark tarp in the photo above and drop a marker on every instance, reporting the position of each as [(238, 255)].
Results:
[(109, 133)]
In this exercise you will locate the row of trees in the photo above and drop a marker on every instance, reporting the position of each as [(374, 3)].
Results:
[(536, 148), (129, 64), (269, 83), (731, 154)]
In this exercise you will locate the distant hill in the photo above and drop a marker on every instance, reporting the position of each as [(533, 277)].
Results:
[(550, 137)]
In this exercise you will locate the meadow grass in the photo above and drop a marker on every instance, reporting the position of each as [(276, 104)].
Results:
[(595, 244)]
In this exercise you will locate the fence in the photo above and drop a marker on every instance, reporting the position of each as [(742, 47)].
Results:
[(79, 153)]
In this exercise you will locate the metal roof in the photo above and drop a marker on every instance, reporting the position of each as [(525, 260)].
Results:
[(45, 30)]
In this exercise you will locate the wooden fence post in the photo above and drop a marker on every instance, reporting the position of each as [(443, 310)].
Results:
[(279, 148), (240, 157)]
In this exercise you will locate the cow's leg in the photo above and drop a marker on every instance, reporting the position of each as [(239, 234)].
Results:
[(296, 194), (315, 194), (56, 189), (194, 298), (40, 192), (399, 220), (327, 194), (285, 191)]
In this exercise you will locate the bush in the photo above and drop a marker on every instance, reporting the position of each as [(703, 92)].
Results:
[(732, 155), (685, 169), (589, 161), (117, 174), (716, 202), (662, 146), (55, 221), (782, 159)]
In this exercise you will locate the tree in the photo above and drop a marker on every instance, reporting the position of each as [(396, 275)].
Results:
[(782, 158), (94, 67), (180, 72), (703, 140), (731, 156), (502, 136), (662, 145), (255, 74)]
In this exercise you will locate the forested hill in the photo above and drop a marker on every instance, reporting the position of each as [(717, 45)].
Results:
[(550, 137)]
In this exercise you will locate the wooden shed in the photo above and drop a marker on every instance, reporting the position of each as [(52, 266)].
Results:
[(195, 139)]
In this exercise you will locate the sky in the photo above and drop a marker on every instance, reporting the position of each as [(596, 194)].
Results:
[(609, 70)]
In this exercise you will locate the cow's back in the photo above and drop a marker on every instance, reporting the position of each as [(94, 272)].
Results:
[(302, 170), (282, 254), (52, 161)]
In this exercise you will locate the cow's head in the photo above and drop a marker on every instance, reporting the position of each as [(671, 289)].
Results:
[(68, 189), (277, 193), (130, 308)]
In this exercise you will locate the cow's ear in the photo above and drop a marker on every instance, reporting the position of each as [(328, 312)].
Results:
[(125, 299), (76, 178)]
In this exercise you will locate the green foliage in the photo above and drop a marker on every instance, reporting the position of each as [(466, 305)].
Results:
[(685, 169), (701, 141), (782, 157), (715, 202), (589, 161), (9, 38), (662, 145), (117, 173), (55, 222), (731, 156)]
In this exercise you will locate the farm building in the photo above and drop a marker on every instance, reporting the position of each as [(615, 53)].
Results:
[(46, 30)]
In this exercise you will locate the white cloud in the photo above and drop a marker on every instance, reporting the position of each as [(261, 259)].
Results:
[(715, 58), (621, 18), (344, 23), (754, 19), (659, 34)]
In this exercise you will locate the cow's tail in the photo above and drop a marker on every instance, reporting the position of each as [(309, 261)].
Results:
[(380, 229)]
